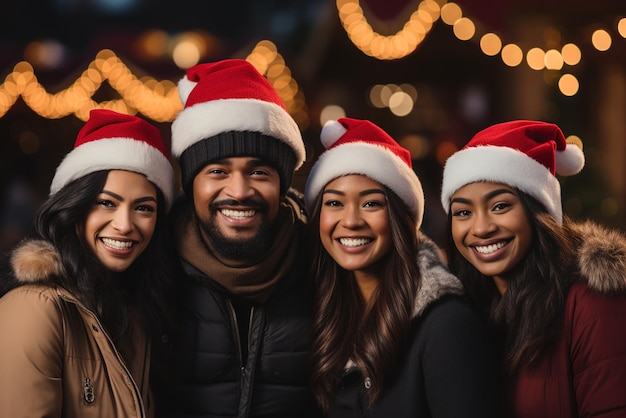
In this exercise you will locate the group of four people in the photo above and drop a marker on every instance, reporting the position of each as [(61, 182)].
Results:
[(250, 299)]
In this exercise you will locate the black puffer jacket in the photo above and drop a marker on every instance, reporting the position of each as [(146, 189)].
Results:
[(201, 373)]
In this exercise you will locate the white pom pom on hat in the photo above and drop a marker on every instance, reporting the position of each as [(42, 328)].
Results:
[(331, 132), (571, 160)]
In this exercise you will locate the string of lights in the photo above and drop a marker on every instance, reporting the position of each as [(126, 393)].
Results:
[(414, 31), (156, 99), (159, 101)]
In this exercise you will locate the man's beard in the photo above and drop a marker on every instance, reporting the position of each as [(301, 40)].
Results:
[(238, 249)]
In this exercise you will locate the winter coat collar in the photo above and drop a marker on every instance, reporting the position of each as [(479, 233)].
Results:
[(34, 261), (602, 257), (436, 280)]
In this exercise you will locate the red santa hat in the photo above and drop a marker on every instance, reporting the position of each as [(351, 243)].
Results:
[(231, 110), (523, 154), (115, 141), (360, 147)]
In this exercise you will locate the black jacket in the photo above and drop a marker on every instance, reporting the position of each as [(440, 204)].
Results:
[(447, 368), (203, 372)]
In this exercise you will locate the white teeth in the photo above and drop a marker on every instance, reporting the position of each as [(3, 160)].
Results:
[(118, 245), (354, 242), (486, 249), (238, 214)]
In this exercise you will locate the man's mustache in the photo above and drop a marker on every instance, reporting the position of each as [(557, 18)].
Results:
[(247, 203)]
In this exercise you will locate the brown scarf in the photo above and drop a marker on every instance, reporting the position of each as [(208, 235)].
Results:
[(254, 282)]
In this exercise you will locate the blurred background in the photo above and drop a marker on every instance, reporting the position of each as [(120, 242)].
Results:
[(430, 72)]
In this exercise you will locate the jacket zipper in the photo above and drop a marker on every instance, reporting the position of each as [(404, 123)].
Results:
[(242, 367), (115, 351), (233, 318), (250, 329)]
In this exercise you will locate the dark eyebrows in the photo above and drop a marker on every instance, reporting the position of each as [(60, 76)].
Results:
[(363, 193), (498, 192), (113, 195), (459, 200), (139, 200), (487, 197), (372, 191), (259, 163)]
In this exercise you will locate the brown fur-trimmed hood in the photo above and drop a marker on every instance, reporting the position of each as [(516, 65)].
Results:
[(35, 261), (602, 257)]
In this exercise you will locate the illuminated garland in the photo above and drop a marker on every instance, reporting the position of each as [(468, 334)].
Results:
[(157, 100), (405, 41), (388, 47)]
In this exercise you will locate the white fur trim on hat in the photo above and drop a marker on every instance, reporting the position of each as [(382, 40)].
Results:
[(501, 165), (116, 154), (374, 161), (206, 119)]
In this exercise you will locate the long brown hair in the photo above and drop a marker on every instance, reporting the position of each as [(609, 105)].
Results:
[(528, 315), (344, 327)]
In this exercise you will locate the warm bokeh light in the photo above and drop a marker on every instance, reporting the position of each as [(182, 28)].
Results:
[(512, 55), (157, 100), (47, 54), (574, 139), (375, 96), (409, 89), (400, 99), (153, 44), (601, 40), (400, 103), (554, 60), (568, 85), (269, 62), (185, 54), (571, 54), (331, 112), (450, 13), (535, 58), (490, 44), (464, 29), (621, 27), (393, 46), (386, 92)]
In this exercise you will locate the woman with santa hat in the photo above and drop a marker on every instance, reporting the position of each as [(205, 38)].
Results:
[(84, 294), (392, 335), (553, 291)]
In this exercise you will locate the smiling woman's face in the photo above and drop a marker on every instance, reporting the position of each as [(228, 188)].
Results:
[(490, 228), (119, 226), (354, 223)]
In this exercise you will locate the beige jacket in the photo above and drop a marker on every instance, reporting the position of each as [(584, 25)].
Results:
[(56, 360)]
